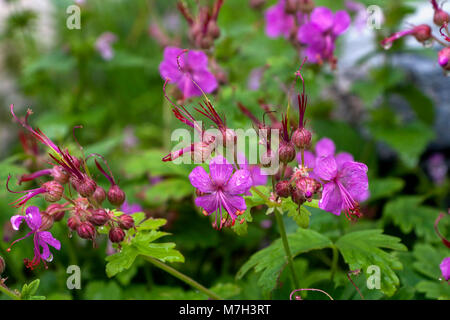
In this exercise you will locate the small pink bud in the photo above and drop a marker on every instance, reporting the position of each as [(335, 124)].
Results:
[(257, 4), (73, 222), (308, 186), (2, 265), (286, 152), (116, 196), (283, 189), (302, 138), (441, 17), (56, 211), (266, 158), (306, 6), (297, 196), (116, 235), (422, 32), (126, 221), (99, 217), (86, 230), (60, 175), (444, 58), (54, 191), (290, 6), (47, 221), (99, 195), (213, 29)]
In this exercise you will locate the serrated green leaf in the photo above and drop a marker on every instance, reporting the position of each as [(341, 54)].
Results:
[(434, 289), (121, 260), (362, 249), (151, 224), (301, 217), (241, 224), (269, 262)]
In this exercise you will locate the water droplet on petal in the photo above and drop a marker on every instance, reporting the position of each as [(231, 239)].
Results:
[(427, 43), (387, 45)]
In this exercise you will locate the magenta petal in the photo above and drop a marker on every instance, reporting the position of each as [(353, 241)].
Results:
[(239, 183), (258, 176), (326, 168), (342, 158), (353, 176), (445, 268), (310, 159), (323, 17), (233, 204), (201, 180), (325, 147), (46, 237), (197, 59), (33, 218), (278, 23), (209, 202), (220, 170), (342, 21), (205, 80), (331, 199), (16, 221), (187, 87), (311, 34)]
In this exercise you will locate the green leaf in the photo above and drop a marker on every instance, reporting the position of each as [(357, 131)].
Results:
[(151, 224), (434, 289), (170, 189), (269, 262), (28, 291), (407, 213), (384, 187), (241, 224), (99, 290), (121, 260), (362, 249), (299, 214), (419, 102)]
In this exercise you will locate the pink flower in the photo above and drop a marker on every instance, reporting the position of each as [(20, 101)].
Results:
[(130, 208), (41, 239), (445, 268), (188, 72), (222, 188), (422, 33), (321, 32), (345, 185), (278, 22), (104, 45)]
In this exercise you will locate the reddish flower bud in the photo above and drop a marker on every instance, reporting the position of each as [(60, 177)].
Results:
[(99, 217), (257, 4), (266, 158), (47, 221), (441, 17), (297, 196), (287, 173), (422, 33), (444, 58), (86, 230), (56, 211), (116, 235), (126, 221), (54, 191), (213, 29), (306, 6), (86, 187), (2, 265), (115, 195), (308, 186), (73, 222), (302, 138), (60, 175), (286, 152), (290, 6), (99, 195), (283, 189)]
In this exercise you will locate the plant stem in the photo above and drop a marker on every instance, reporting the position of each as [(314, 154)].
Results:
[(334, 262), (183, 277), (286, 248), (9, 293)]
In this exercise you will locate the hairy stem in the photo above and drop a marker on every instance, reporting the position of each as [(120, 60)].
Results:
[(9, 293), (183, 277)]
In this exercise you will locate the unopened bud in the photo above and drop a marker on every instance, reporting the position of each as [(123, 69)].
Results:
[(422, 33), (302, 138), (266, 158), (213, 29), (308, 186), (290, 6), (47, 221), (73, 222), (116, 235), (441, 17), (297, 196), (86, 230), (444, 58), (206, 42), (286, 152), (116, 196), (99, 217), (54, 191), (126, 221), (2, 265), (288, 171), (306, 6), (99, 195), (257, 4), (87, 187), (56, 211), (60, 175), (283, 189)]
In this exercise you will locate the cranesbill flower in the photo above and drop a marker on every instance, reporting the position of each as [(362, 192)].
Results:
[(344, 186), (278, 22), (41, 239), (321, 32), (445, 268), (422, 33), (130, 208), (188, 71), (256, 173), (222, 189), (104, 43)]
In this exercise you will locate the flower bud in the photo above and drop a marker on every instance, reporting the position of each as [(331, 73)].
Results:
[(47, 221), (86, 187), (440, 17), (290, 6), (308, 186), (2, 265), (60, 175), (306, 6), (54, 191), (422, 33), (126, 221), (266, 158), (73, 222), (302, 138), (86, 230), (206, 42), (287, 173), (283, 189), (257, 4), (115, 195), (116, 235), (444, 58), (99, 195), (98, 217), (297, 196), (286, 152), (213, 29), (56, 211)]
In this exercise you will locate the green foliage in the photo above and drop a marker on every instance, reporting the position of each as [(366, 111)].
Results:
[(362, 249), (29, 290)]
